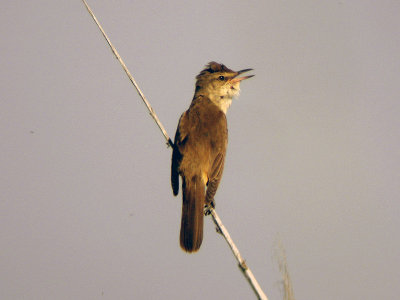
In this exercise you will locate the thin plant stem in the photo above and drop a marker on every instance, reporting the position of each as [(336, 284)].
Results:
[(152, 113)]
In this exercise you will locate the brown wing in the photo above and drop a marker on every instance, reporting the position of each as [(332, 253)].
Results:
[(180, 138), (215, 177), (176, 158)]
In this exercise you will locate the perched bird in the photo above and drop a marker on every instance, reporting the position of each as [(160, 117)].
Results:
[(200, 146)]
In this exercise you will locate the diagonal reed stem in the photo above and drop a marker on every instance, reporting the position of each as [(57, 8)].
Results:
[(221, 228), (152, 113)]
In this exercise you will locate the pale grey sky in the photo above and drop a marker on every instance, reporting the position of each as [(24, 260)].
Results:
[(86, 208)]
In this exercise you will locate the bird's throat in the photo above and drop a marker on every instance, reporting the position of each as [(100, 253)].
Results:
[(224, 103)]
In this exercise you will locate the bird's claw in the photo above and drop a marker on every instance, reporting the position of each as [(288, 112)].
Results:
[(208, 207)]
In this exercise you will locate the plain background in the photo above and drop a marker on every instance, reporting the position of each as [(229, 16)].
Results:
[(86, 208)]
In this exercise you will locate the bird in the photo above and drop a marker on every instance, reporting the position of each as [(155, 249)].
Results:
[(199, 148)]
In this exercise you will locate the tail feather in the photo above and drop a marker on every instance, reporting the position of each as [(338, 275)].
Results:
[(191, 234)]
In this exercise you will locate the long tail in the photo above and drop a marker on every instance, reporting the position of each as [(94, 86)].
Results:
[(191, 234)]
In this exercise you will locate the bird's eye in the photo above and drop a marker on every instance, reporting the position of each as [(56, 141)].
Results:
[(221, 78)]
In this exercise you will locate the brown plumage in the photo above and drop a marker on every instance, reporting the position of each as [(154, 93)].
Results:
[(200, 146)]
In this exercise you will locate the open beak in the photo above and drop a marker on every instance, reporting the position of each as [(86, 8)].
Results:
[(238, 79)]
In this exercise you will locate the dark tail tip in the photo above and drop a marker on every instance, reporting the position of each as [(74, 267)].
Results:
[(190, 246), (191, 235)]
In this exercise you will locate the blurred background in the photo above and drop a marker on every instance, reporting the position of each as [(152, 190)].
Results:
[(86, 207)]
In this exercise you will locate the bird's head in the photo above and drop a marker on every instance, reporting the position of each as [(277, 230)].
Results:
[(220, 84)]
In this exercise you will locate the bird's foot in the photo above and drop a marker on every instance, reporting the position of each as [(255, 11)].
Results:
[(208, 207)]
